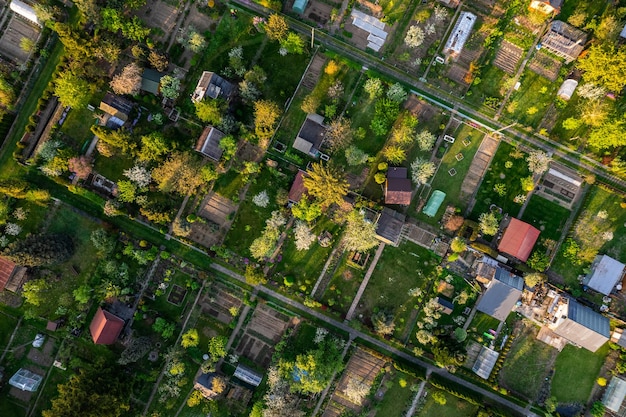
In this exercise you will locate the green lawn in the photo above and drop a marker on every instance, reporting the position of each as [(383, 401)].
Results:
[(454, 406), (113, 168), (576, 370), (78, 123), (306, 265), (546, 216), (527, 364), (398, 270), (452, 185), (587, 231), (481, 323), (498, 173), (396, 397), (250, 218), (532, 99), (489, 86), (7, 325), (229, 184), (344, 285)]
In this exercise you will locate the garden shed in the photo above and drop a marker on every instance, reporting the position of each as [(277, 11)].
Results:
[(605, 274), (208, 143), (25, 380), (11, 275), (564, 40), (212, 85), (105, 327), (150, 81), (311, 135), (502, 295), (519, 239), (299, 6), (578, 324), (389, 226), (485, 362), (297, 189), (434, 202), (398, 187), (614, 395)]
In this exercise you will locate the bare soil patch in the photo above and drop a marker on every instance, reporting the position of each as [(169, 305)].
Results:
[(160, 15), (546, 66), (177, 295), (508, 57), (17, 29), (218, 301)]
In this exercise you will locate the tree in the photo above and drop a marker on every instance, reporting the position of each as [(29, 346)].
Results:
[(170, 87), (7, 93), (527, 184), (35, 291), (180, 173), (609, 135), (102, 242), (266, 115), (356, 390), (383, 322), (254, 277), (228, 145), (163, 327), (339, 134), (458, 245), (404, 133), (373, 87), (128, 81), (210, 110), (310, 103), (538, 261), (439, 397), (594, 113), (40, 250), (193, 40), (394, 154), (360, 235), (534, 278), (326, 184), (126, 191), (355, 156), (396, 93), (605, 65), (422, 170), (190, 338), (217, 348), (276, 27), (303, 236), (591, 91), (306, 210), (139, 175), (453, 223), (425, 140), (80, 166), (538, 161), (488, 223), (120, 139), (597, 409), (71, 90), (153, 147), (293, 43), (414, 37), (100, 390), (157, 60), (27, 45)]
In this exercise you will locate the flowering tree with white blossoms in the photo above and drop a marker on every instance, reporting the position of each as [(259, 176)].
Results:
[(303, 236), (139, 174), (414, 37), (261, 199), (12, 229)]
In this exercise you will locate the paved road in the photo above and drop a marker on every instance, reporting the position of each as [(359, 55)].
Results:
[(384, 347), (446, 100)]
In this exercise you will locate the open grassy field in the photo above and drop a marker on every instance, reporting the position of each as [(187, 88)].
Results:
[(575, 373), (498, 173), (113, 168), (527, 364), (532, 99), (546, 216), (489, 86), (452, 185), (396, 397), (398, 270), (454, 406), (250, 218)]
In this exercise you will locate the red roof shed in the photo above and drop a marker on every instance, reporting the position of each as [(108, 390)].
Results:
[(105, 327), (297, 188), (519, 239), (6, 270)]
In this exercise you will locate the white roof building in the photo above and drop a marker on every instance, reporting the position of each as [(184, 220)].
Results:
[(25, 10), (605, 274), (567, 89), (460, 33)]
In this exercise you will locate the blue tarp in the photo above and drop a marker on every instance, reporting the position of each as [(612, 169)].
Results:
[(299, 6)]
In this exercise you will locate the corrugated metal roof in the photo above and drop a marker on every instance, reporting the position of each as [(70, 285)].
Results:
[(510, 279), (589, 318), (499, 300), (605, 274)]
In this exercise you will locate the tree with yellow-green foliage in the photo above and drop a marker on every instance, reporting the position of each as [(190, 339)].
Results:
[(327, 184), (605, 65), (276, 27), (266, 115)]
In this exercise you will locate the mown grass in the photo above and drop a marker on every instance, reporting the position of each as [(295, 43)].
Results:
[(575, 373), (454, 406), (396, 397), (546, 216), (527, 364), (532, 99)]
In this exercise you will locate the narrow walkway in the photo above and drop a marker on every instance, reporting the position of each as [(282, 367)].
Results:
[(417, 397), (366, 279), (178, 214), (184, 324), (182, 16), (19, 322), (333, 254), (330, 381)]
